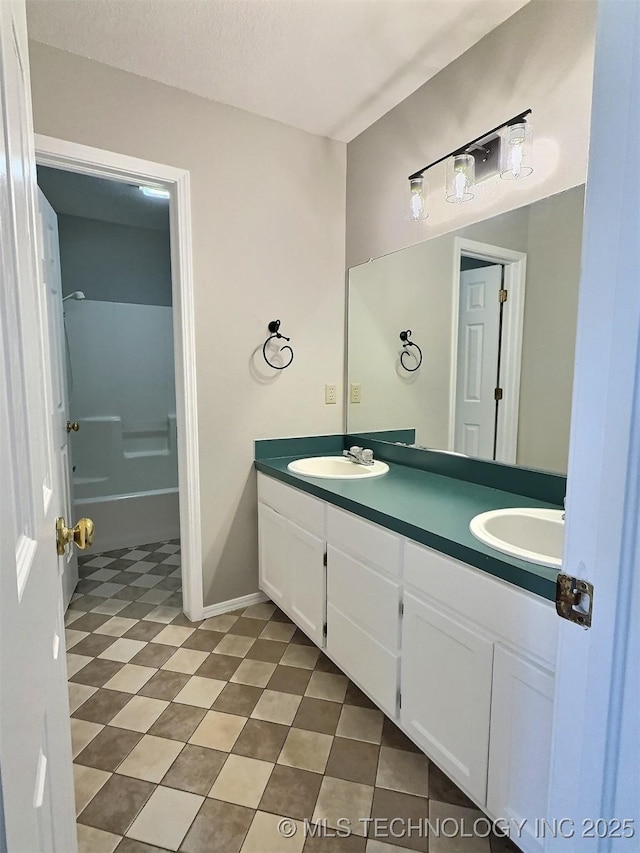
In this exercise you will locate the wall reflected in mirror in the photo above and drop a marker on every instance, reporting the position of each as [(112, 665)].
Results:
[(492, 308)]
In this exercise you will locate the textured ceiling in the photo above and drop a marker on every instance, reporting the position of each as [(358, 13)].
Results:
[(98, 198), (331, 67)]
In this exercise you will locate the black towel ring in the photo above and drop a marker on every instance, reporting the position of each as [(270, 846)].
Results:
[(274, 328), (406, 342)]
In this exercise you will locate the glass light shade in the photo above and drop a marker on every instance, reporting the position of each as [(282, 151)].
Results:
[(461, 170), (416, 208), (515, 151)]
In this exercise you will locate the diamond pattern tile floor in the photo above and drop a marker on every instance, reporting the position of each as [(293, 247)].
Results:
[(200, 737)]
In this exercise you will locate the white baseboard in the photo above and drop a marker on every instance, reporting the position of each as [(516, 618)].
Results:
[(233, 604)]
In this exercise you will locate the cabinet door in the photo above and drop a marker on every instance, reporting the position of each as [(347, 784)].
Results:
[(519, 756), (292, 571), (446, 693)]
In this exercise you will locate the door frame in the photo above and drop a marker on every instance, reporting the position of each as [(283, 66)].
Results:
[(515, 270), (99, 163)]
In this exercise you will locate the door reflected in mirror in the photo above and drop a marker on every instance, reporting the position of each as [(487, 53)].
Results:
[(491, 309)]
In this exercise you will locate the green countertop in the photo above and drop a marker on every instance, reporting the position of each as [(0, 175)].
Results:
[(428, 508)]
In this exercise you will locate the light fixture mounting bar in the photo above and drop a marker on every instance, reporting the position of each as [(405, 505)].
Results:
[(515, 120)]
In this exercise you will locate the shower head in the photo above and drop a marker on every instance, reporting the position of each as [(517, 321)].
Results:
[(77, 294)]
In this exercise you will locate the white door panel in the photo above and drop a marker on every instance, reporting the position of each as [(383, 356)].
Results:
[(35, 743)]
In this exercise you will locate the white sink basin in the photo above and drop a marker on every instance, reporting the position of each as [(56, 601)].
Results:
[(336, 468), (534, 535)]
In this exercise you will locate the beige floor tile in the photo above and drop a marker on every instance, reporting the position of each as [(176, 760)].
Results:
[(87, 781), (185, 660), (71, 616), (306, 750), (165, 818), (463, 842), (360, 724), (130, 678), (173, 635), (281, 631), (75, 663), (116, 626), (344, 800), (201, 692), (110, 606), (162, 613), (82, 733), (139, 714), (234, 645), (72, 638), (242, 781), (122, 650), (220, 623), (403, 771), (218, 731), (254, 672), (264, 837), (326, 685), (92, 840), (155, 596), (264, 610), (304, 657), (79, 693), (150, 758), (276, 707), (383, 847)]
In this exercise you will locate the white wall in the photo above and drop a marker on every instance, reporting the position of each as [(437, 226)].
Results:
[(542, 58), (268, 208)]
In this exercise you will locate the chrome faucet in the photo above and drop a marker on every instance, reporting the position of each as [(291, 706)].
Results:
[(359, 455)]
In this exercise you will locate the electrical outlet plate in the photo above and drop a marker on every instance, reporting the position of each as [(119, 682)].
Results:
[(330, 395), (355, 392)]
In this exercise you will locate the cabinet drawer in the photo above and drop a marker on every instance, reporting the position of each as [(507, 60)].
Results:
[(364, 596), (521, 619), (374, 544), (371, 666), (305, 510)]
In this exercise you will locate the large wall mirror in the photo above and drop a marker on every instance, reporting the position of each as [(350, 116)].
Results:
[(491, 309)]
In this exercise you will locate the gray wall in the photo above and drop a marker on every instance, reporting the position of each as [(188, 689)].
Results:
[(281, 255), (115, 263)]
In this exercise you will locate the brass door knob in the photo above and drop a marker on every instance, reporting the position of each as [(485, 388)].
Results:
[(81, 535), (73, 425)]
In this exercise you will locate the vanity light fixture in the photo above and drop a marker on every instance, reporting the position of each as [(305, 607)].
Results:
[(515, 162), (154, 192)]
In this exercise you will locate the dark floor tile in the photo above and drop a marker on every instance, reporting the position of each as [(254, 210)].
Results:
[(121, 565), (102, 706), (181, 619), (218, 828), (221, 667), (323, 664), (441, 788), (266, 650), (130, 593), (396, 739), (301, 639), (237, 699), (90, 621), (327, 844), (289, 679), (86, 586), (355, 696), (153, 654), (353, 761), (177, 722), (169, 583), (262, 740), (175, 600), (164, 685), (128, 845), (279, 616), (93, 645), (97, 673), (291, 792), (108, 748), (412, 812), (87, 602), (317, 715), (203, 641), (164, 571), (151, 557), (117, 803), (246, 627), (195, 769), (123, 577), (144, 631), (137, 610)]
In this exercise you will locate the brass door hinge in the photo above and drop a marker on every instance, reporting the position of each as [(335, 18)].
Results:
[(497, 394), (574, 599), (502, 295)]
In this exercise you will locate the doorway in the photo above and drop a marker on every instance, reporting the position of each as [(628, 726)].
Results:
[(487, 322), (83, 161)]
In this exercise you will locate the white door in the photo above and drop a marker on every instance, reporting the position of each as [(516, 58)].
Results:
[(35, 746), (52, 283), (477, 366)]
